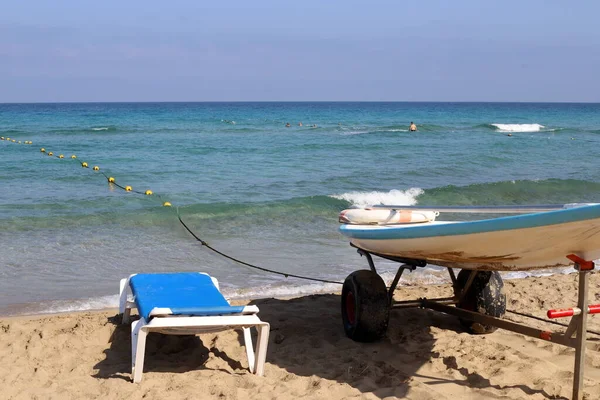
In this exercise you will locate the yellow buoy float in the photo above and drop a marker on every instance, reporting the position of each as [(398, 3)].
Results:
[(84, 164), (43, 150), (73, 156), (50, 153), (111, 179), (166, 204), (61, 156), (148, 192), (128, 188), (96, 168)]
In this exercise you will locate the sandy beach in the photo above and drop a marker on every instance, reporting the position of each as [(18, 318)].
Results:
[(426, 355)]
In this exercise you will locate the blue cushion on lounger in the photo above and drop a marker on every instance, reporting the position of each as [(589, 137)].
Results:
[(184, 293)]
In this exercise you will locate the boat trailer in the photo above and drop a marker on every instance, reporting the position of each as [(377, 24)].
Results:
[(478, 301)]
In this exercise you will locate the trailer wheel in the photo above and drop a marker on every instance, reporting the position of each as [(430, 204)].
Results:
[(485, 296), (365, 306)]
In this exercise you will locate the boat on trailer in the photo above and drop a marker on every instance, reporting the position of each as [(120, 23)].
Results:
[(539, 239), (533, 237)]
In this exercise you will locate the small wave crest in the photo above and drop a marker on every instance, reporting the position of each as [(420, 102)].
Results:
[(12, 131), (104, 128), (82, 130), (349, 133), (518, 127), (62, 306), (359, 130), (393, 197), (543, 191)]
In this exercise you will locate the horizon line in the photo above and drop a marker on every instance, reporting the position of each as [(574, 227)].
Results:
[(300, 101)]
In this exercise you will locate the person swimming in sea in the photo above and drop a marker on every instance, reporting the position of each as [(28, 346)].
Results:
[(413, 127), (288, 125)]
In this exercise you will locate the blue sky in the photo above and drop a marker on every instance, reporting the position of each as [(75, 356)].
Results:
[(299, 51)]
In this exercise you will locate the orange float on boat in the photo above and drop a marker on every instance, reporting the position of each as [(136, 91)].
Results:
[(369, 216)]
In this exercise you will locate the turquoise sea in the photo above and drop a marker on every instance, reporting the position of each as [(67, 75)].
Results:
[(255, 189)]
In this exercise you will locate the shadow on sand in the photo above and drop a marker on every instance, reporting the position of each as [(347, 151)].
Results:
[(307, 340)]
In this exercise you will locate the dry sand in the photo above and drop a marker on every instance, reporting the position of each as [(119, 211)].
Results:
[(426, 355)]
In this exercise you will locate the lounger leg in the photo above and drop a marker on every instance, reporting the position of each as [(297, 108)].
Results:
[(261, 348), (138, 349), (249, 349), (126, 315), (124, 305)]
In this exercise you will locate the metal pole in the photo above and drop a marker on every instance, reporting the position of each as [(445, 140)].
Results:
[(581, 335), (396, 279), (498, 322), (369, 258), (419, 303)]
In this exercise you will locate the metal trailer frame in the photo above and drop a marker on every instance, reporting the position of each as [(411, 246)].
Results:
[(574, 336)]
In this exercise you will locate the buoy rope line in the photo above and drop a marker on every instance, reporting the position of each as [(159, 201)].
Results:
[(112, 181)]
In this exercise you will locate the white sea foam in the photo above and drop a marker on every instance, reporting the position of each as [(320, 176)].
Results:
[(95, 303), (283, 291), (393, 197), (519, 127), (62, 306), (360, 132), (103, 128), (538, 273), (426, 276)]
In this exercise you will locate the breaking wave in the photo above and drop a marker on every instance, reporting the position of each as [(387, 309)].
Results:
[(518, 127), (393, 197)]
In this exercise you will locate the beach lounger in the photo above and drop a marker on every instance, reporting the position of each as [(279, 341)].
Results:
[(182, 304)]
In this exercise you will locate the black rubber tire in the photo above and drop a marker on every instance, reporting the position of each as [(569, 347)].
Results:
[(365, 306), (485, 296)]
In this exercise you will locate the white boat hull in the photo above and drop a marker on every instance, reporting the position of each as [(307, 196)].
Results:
[(521, 249)]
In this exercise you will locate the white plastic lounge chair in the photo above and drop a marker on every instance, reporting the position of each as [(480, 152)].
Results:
[(186, 303)]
